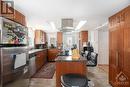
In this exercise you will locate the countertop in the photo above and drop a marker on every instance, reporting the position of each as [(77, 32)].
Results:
[(35, 50), (69, 59)]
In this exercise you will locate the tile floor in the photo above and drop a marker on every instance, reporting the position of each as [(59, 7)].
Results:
[(97, 75), (104, 68)]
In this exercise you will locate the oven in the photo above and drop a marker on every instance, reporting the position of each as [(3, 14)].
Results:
[(14, 67)]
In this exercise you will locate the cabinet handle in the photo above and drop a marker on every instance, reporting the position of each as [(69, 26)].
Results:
[(117, 58)]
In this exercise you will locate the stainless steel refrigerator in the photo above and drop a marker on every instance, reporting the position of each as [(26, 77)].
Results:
[(13, 54)]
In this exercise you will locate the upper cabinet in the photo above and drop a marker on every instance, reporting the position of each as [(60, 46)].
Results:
[(83, 37), (19, 18), (59, 39), (12, 14), (40, 37), (6, 11)]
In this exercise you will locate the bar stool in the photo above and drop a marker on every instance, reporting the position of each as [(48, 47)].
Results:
[(74, 80)]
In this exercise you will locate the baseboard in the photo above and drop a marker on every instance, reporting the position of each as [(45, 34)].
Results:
[(103, 65)]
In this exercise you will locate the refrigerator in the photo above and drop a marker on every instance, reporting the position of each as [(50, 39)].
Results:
[(13, 54)]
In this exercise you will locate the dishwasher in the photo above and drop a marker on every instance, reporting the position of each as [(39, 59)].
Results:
[(32, 65)]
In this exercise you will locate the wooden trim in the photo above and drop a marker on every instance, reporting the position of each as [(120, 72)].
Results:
[(103, 64)]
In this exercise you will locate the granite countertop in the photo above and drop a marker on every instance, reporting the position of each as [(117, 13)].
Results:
[(35, 50), (69, 59)]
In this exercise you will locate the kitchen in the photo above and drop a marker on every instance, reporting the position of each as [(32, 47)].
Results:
[(38, 48)]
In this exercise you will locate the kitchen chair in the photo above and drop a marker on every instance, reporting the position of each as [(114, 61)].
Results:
[(91, 58)]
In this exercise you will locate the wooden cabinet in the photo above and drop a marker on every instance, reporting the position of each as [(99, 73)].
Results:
[(115, 49), (6, 11), (19, 18), (63, 66), (59, 39), (126, 63), (119, 48), (40, 37), (83, 38), (41, 59), (52, 54), (45, 37), (12, 14)]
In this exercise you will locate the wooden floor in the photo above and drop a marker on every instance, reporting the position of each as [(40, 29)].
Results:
[(98, 76)]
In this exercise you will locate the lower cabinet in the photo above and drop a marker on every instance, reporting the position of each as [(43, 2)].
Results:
[(41, 59), (52, 54)]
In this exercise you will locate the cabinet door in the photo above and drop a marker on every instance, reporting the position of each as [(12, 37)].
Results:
[(19, 18), (44, 37), (59, 39), (126, 68), (84, 36), (37, 63), (44, 57), (39, 60), (23, 21), (7, 11), (37, 37), (115, 49), (113, 67)]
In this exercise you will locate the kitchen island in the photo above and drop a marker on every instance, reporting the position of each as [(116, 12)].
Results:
[(66, 64)]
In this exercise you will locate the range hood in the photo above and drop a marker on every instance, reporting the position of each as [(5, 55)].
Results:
[(67, 25)]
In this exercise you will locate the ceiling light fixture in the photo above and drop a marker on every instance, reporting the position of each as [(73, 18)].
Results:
[(81, 23), (106, 23), (53, 26)]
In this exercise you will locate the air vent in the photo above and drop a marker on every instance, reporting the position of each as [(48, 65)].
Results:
[(67, 23)]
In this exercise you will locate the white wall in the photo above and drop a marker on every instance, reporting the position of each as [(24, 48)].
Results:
[(31, 35), (52, 35), (100, 41), (103, 47), (93, 38)]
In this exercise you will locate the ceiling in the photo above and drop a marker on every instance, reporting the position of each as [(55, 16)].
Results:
[(40, 13)]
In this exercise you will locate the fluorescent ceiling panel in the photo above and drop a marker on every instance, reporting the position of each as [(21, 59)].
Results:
[(80, 25), (53, 26)]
